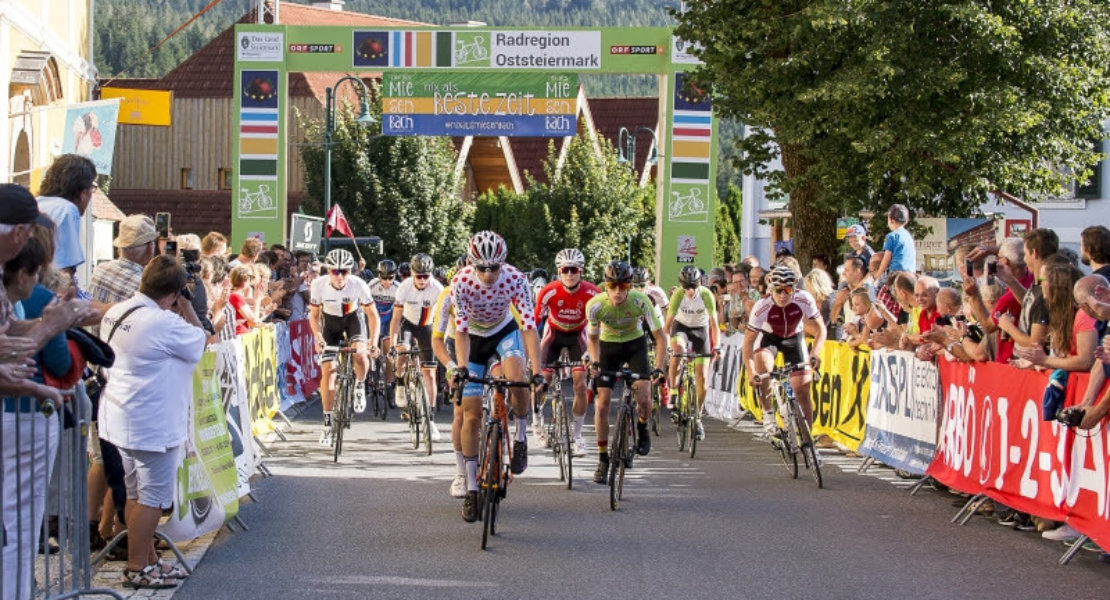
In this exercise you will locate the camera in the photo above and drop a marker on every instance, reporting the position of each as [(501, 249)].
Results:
[(975, 332), (190, 259), (1071, 416)]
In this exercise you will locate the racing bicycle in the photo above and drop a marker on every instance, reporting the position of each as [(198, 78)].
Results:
[(795, 437), (558, 431), (416, 411), (622, 438), (686, 413), (344, 394), (376, 388)]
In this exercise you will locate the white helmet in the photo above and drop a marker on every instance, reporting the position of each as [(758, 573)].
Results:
[(487, 248), (339, 259), (570, 257)]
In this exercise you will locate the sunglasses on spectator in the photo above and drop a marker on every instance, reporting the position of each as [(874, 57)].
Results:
[(487, 268), (569, 270), (338, 272), (621, 287), (422, 275), (785, 291)]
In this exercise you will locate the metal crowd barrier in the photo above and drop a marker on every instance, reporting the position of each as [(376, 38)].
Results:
[(45, 499)]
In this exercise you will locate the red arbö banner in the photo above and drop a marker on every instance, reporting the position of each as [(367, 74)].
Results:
[(992, 441)]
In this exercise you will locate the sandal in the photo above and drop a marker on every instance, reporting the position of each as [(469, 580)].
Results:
[(172, 571), (148, 578)]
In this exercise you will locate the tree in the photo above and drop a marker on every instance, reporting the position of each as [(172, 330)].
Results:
[(403, 189), (932, 104), (726, 227), (591, 203)]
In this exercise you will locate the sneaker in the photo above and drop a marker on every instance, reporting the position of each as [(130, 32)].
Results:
[(471, 507), (601, 473), (675, 418), (579, 447), (520, 458), (643, 444), (699, 431), (327, 436), (399, 397), (360, 399), (1007, 519), (1063, 533), (1024, 523), (458, 486), (769, 426), (436, 435)]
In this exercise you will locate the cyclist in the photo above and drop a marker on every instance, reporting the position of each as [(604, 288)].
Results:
[(562, 305), (778, 323), (412, 314), (641, 280), (334, 313), (615, 338), (692, 321), (384, 289), (483, 292)]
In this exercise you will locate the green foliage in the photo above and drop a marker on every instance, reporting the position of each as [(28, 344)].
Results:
[(726, 227), (932, 104), (403, 189), (592, 203)]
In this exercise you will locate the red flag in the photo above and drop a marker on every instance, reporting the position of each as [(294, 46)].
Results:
[(337, 222)]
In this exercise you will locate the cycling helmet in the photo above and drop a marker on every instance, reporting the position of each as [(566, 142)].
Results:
[(387, 268), (339, 259), (539, 273), (461, 262), (783, 276), (689, 275), (640, 275), (570, 257), (422, 263), (404, 270), (486, 248), (440, 274), (618, 271)]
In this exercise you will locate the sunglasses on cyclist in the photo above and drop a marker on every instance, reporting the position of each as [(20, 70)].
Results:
[(639, 286), (390, 278), (487, 268), (614, 286), (338, 272), (785, 291), (689, 286), (422, 275), (569, 270)]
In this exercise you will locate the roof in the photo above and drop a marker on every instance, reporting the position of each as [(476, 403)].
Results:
[(194, 211), (103, 208), (209, 72), (612, 114)]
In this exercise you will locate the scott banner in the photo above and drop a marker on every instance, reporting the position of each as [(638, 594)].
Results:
[(993, 441), (902, 411), (485, 104), (206, 491)]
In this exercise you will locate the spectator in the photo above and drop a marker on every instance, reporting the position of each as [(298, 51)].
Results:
[(1094, 249), (64, 195), (188, 253), (791, 263), (248, 252), (221, 312), (899, 252), (739, 304), (873, 266), (1030, 329), (858, 327), (977, 266), (925, 292), (751, 261), (855, 277), (1071, 333), (146, 407), (298, 304), (820, 285), (243, 300), (214, 244), (821, 261), (757, 278), (1087, 292), (902, 323), (857, 240)]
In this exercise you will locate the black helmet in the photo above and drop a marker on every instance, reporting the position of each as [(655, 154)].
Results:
[(421, 263), (404, 270), (618, 271), (539, 273), (440, 274), (640, 275), (387, 268), (689, 275)]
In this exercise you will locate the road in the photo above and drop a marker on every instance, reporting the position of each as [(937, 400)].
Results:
[(380, 524)]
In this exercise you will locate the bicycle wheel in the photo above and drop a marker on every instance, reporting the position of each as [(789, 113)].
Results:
[(425, 418), (489, 481), (656, 409), (784, 443), (618, 453), (555, 436), (338, 418), (692, 429), (565, 441), (682, 399), (809, 450), (413, 409)]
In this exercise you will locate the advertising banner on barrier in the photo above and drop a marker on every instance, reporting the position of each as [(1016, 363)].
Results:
[(205, 494), (840, 394), (233, 393), (902, 411), (259, 357), (302, 372), (993, 441), (721, 401)]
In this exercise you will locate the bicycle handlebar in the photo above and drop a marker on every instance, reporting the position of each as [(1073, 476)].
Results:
[(626, 375), (341, 349), (694, 354), (499, 382), (783, 371), (561, 364)]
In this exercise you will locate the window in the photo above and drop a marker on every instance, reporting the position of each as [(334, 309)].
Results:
[(187, 179), (223, 179)]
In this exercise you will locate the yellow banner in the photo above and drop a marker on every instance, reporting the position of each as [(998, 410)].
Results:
[(142, 107), (260, 360)]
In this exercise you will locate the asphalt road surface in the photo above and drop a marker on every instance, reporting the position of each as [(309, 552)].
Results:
[(731, 522)]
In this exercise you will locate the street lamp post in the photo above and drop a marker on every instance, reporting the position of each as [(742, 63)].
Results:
[(626, 145), (364, 118)]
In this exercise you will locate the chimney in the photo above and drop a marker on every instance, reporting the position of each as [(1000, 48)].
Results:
[(336, 5)]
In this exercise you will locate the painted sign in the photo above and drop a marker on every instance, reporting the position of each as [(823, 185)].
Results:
[(142, 107), (91, 132), (453, 103), (483, 49)]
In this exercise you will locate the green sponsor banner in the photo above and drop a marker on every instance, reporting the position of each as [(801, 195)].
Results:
[(211, 438)]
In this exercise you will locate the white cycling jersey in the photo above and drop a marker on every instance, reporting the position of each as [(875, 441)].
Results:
[(340, 302), (417, 304)]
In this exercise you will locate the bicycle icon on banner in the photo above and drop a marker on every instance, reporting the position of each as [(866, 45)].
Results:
[(685, 206), (260, 201), (472, 52)]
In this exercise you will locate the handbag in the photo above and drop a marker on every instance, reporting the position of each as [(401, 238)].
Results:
[(1054, 393)]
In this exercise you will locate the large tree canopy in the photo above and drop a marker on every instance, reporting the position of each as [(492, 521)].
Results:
[(933, 104)]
